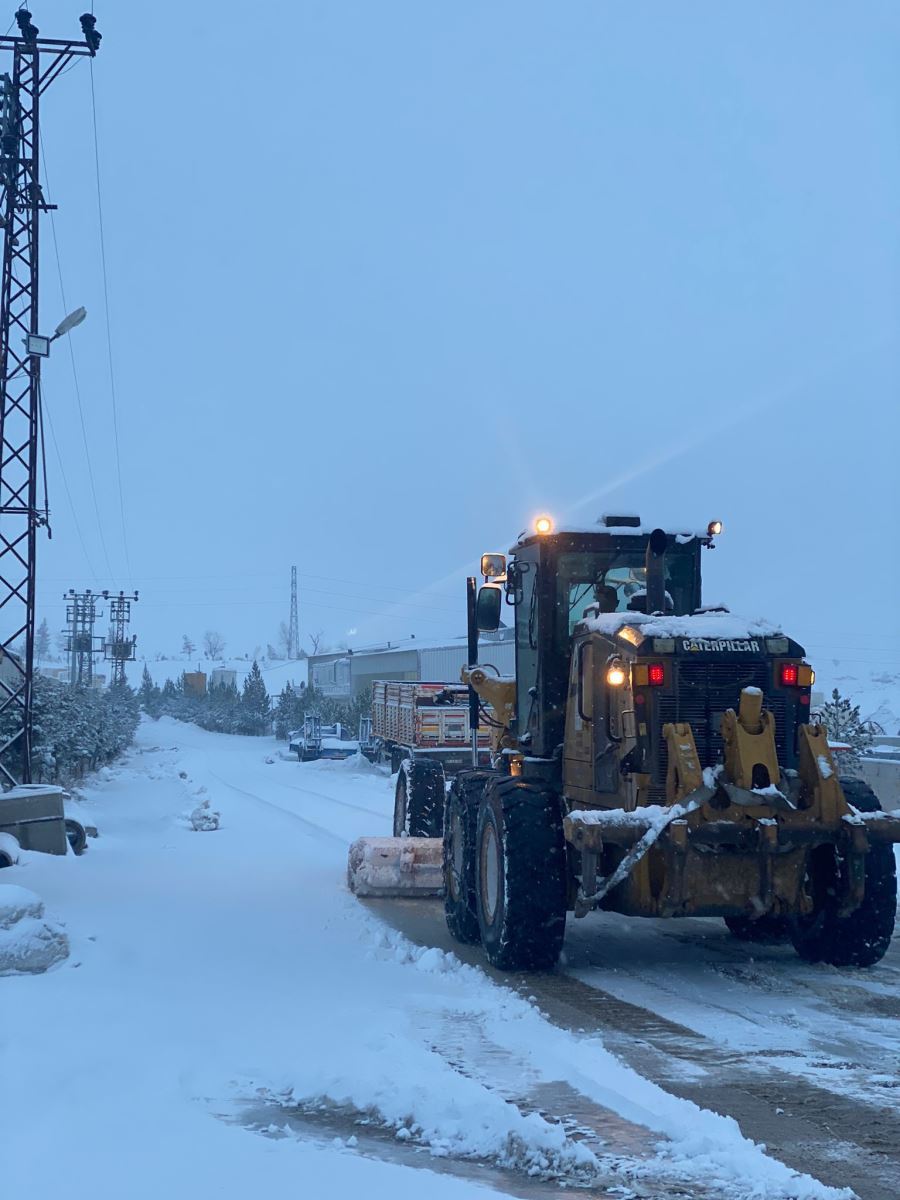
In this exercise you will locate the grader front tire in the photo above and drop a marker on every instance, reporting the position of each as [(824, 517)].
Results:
[(520, 881), (861, 938)]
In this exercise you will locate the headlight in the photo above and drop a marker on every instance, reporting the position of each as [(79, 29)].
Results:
[(615, 674)]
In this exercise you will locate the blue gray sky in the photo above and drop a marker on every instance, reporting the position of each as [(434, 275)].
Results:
[(386, 279)]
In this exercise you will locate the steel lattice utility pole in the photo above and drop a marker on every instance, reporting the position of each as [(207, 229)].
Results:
[(81, 615), (120, 649), (36, 63), (293, 650)]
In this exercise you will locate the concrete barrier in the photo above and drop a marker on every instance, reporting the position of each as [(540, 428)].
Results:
[(33, 814)]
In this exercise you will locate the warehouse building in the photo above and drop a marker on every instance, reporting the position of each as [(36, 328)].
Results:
[(345, 674)]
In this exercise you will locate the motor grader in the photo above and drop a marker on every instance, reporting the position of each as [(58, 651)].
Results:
[(652, 758)]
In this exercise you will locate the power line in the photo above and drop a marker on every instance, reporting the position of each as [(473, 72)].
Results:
[(112, 375), (45, 412), (84, 436)]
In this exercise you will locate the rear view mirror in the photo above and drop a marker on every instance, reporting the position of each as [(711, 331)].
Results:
[(487, 608), (493, 566)]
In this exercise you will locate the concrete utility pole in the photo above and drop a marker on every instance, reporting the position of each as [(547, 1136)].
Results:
[(36, 63), (293, 650), (81, 615), (120, 649)]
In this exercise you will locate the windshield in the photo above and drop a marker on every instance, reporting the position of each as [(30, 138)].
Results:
[(615, 581)]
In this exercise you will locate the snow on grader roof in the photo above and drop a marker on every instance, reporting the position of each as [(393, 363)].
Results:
[(705, 625), (623, 525)]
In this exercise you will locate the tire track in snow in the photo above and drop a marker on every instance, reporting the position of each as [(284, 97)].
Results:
[(317, 830), (370, 812)]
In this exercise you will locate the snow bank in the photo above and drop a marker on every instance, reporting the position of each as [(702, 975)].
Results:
[(402, 1066), (29, 944), (357, 763), (9, 850)]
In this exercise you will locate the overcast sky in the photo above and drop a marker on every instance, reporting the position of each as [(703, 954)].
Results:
[(388, 278)]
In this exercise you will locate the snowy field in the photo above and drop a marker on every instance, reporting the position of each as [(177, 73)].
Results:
[(231, 1022)]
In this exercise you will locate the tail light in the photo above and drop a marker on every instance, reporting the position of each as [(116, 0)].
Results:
[(656, 674), (789, 674)]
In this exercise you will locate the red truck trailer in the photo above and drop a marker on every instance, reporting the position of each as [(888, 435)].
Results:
[(423, 730)]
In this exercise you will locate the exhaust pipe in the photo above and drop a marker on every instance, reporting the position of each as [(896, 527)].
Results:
[(655, 563)]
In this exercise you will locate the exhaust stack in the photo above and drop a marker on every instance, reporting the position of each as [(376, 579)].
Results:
[(655, 563)]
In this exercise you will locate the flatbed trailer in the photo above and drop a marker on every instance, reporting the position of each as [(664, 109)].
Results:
[(423, 730)]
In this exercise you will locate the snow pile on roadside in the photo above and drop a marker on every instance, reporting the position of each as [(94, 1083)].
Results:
[(203, 818), (356, 762), (29, 943), (9, 850), (399, 1066)]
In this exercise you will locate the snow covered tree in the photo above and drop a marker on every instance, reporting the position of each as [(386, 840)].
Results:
[(79, 729), (169, 699), (150, 696), (222, 711), (844, 724), (42, 640), (213, 644), (288, 712), (255, 712), (187, 646)]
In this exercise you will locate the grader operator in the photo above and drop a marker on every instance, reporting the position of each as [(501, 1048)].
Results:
[(655, 759)]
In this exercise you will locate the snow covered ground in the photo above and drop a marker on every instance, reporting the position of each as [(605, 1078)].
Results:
[(230, 1021)]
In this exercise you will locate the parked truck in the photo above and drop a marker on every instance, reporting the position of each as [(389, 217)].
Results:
[(316, 740), (423, 730)]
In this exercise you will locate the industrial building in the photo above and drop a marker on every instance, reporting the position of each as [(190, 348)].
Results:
[(345, 674)]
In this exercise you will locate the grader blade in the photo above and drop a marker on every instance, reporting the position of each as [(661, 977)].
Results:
[(395, 867)]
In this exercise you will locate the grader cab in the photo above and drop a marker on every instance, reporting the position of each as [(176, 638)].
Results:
[(657, 759)]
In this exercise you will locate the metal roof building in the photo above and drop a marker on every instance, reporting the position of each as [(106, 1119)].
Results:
[(349, 673)]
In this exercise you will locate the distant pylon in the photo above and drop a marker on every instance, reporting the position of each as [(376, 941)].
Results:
[(81, 645), (120, 648), (293, 649)]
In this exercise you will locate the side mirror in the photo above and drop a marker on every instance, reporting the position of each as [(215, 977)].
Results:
[(493, 566), (487, 608)]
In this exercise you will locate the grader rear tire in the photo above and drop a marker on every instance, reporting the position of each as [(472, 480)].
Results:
[(860, 939), (520, 880), (419, 799), (460, 830)]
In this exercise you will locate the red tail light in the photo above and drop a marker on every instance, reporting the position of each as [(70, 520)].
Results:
[(656, 674), (789, 674)]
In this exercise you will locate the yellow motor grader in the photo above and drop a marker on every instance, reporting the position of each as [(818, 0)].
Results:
[(653, 758)]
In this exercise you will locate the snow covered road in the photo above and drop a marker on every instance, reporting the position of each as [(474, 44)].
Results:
[(232, 1022)]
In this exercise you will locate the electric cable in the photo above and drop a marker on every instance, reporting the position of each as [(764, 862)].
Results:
[(62, 472), (84, 436), (112, 376)]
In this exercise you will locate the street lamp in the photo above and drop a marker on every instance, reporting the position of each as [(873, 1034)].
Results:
[(39, 345)]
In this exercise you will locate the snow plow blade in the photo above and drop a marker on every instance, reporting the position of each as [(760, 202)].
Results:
[(395, 867)]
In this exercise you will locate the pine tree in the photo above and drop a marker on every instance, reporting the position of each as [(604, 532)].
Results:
[(255, 710), (288, 712), (150, 696), (79, 729), (42, 640), (844, 724), (187, 646)]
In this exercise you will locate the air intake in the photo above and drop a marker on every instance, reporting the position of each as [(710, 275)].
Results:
[(620, 520)]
